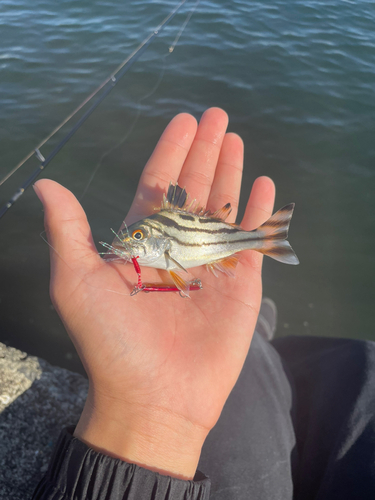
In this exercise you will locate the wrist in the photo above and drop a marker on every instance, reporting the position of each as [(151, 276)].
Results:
[(150, 437)]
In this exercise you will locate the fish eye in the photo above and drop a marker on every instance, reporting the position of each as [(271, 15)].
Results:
[(137, 235)]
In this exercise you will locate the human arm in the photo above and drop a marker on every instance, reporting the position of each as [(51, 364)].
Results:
[(160, 367)]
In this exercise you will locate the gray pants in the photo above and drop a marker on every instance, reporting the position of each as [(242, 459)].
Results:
[(299, 424)]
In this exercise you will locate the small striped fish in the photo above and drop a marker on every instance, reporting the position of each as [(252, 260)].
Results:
[(178, 237)]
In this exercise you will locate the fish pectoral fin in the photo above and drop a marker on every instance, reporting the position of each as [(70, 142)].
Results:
[(168, 256), (181, 284), (223, 212), (226, 266)]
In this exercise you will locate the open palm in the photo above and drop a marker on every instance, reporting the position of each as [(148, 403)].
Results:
[(157, 353)]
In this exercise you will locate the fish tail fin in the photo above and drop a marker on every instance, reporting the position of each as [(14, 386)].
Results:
[(273, 234)]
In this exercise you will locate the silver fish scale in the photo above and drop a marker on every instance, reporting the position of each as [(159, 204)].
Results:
[(178, 238), (197, 240)]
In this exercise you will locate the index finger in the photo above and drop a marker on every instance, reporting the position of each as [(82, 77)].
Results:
[(164, 165)]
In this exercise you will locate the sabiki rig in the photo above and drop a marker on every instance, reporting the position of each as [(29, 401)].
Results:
[(179, 236)]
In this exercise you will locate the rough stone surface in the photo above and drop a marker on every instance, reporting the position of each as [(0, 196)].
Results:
[(36, 401)]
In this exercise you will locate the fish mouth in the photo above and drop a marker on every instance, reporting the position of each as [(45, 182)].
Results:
[(123, 248), (119, 250), (127, 248)]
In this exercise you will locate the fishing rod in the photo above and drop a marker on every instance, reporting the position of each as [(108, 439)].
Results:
[(107, 86)]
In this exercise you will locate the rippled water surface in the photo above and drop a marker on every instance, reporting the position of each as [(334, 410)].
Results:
[(297, 79)]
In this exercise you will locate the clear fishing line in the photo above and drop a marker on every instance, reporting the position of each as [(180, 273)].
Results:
[(143, 98), (103, 90), (93, 281), (131, 128)]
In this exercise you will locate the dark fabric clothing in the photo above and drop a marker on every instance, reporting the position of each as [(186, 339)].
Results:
[(298, 425), (250, 452), (78, 472), (335, 416)]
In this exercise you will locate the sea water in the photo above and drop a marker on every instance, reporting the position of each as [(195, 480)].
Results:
[(297, 79)]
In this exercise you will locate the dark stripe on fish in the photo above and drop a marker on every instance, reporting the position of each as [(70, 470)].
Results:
[(213, 243), (277, 250), (275, 223), (276, 227), (187, 217), (209, 219), (163, 219)]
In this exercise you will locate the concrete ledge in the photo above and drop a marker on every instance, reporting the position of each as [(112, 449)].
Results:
[(36, 401)]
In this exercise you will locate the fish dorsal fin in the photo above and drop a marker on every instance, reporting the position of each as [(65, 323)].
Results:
[(195, 208), (176, 197), (226, 266), (222, 213)]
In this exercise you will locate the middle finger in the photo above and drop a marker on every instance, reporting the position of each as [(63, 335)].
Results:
[(198, 171)]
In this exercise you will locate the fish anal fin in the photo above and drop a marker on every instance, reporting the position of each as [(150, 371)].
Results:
[(226, 266), (180, 283), (223, 212)]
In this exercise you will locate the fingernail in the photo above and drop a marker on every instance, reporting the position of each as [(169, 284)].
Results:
[(37, 192)]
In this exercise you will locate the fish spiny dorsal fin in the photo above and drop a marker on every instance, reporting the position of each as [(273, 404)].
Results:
[(193, 207), (176, 196), (223, 212), (164, 204), (190, 207)]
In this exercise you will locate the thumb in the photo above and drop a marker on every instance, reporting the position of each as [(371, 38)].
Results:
[(67, 228)]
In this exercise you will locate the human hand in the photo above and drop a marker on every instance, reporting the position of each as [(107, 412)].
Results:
[(160, 367)]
